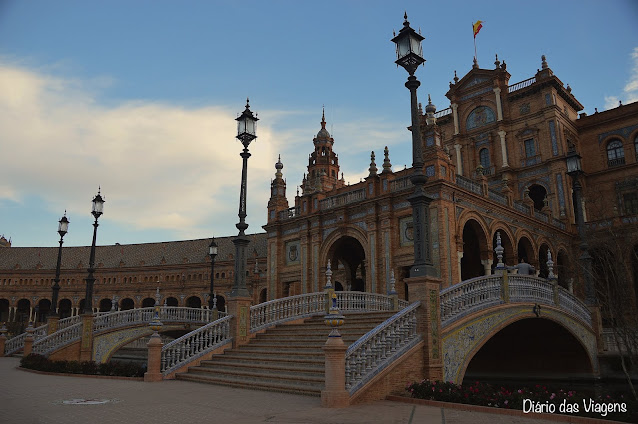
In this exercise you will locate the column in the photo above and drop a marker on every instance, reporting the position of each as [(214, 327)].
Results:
[(499, 108), (459, 164), (455, 114), (501, 134), (86, 346), (487, 265), (239, 308)]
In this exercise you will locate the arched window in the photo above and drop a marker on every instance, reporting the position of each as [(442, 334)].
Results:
[(636, 146), (615, 153), (484, 158)]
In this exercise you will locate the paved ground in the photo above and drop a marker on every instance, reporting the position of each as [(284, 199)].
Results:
[(33, 398)]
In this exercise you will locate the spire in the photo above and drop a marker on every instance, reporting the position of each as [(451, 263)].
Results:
[(497, 62), (456, 78), (323, 117), (279, 166), (430, 109), (544, 62), (387, 166), (373, 166), (475, 65)]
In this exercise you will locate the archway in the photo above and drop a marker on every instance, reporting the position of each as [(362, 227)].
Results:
[(526, 251), (194, 302), (474, 250), (221, 303), (148, 302), (172, 301), (531, 348), (538, 194), (65, 308), (4, 310), (23, 310), (347, 258), (43, 309), (105, 305), (263, 295), (126, 304)]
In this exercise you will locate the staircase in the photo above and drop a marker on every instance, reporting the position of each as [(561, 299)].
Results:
[(285, 358)]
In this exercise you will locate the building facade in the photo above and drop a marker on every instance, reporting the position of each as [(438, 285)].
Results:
[(496, 166)]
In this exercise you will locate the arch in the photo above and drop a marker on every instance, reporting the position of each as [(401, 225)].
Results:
[(148, 302), (172, 301), (4, 310), (23, 309), (65, 308), (538, 194), (525, 248), (221, 303), (475, 250), (194, 302), (464, 339), (615, 152), (528, 347), (43, 309), (126, 304), (105, 305), (263, 295), (347, 248)]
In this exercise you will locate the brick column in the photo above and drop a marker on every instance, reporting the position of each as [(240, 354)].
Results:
[(154, 367), (3, 339), (239, 308), (427, 289), (28, 340), (86, 346), (53, 324), (335, 394)]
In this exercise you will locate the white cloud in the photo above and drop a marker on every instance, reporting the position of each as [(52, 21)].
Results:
[(160, 166), (630, 91)]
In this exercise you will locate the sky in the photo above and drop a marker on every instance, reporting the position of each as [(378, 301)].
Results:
[(140, 98)]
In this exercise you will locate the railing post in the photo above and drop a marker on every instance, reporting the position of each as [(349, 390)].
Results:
[(53, 324), (505, 287), (393, 292), (428, 320), (154, 365), (28, 340), (3, 339), (239, 309), (86, 347), (335, 394), (328, 289)]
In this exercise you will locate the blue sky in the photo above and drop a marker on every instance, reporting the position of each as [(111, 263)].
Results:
[(140, 97)]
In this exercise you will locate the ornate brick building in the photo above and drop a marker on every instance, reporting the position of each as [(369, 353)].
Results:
[(496, 164)]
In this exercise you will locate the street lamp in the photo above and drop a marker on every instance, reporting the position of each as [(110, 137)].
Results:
[(98, 207), (212, 298), (246, 132), (63, 228), (410, 57), (575, 170)]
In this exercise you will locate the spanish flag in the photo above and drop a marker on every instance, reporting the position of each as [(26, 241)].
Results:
[(477, 27)]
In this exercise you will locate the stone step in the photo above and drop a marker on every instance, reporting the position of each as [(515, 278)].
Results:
[(257, 348), (256, 385), (262, 374), (250, 359), (268, 368)]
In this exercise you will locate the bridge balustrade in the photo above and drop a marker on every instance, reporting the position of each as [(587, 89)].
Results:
[(286, 309), (56, 340), (195, 344), (15, 344), (526, 288), (470, 296), (380, 347)]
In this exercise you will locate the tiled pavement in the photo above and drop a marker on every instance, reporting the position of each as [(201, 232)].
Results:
[(27, 398)]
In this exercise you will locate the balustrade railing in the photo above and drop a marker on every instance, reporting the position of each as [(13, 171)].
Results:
[(352, 301), (521, 84), (577, 307), (496, 196), (400, 184), (470, 296), (469, 185), (343, 199), (521, 208), (527, 288), (541, 216), (16, 344), (286, 309), (289, 213), (195, 344), (145, 315), (443, 112), (380, 347), (60, 338)]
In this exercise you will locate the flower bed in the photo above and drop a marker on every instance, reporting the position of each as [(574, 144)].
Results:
[(539, 399), (113, 368)]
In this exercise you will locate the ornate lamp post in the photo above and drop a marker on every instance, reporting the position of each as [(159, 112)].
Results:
[(410, 57), (575, 170), (212, 298), (98, 207), (246, 125), (63, 228)]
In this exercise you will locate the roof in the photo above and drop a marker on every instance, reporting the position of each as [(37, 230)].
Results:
[(128, 255)]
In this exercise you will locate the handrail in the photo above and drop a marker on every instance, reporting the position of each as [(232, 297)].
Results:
[(380, 346), (54, 341), (285, 309), (145, 315), (16, 344), (195, 344), (468, 297), (522, 84)]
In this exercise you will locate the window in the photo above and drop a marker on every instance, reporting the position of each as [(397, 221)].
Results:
[(631, 203), (615, 153), (530, 148), (484, 158), (636, 146)]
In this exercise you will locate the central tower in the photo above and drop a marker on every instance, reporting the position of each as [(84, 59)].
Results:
[(323, 164)]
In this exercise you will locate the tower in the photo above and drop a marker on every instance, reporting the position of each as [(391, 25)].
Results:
[(278, 201), (323, 164)]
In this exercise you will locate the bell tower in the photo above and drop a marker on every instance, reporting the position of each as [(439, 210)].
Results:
[(323, 164), (278, 201)]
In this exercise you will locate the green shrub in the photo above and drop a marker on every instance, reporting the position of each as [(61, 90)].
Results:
[(114, 368)]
